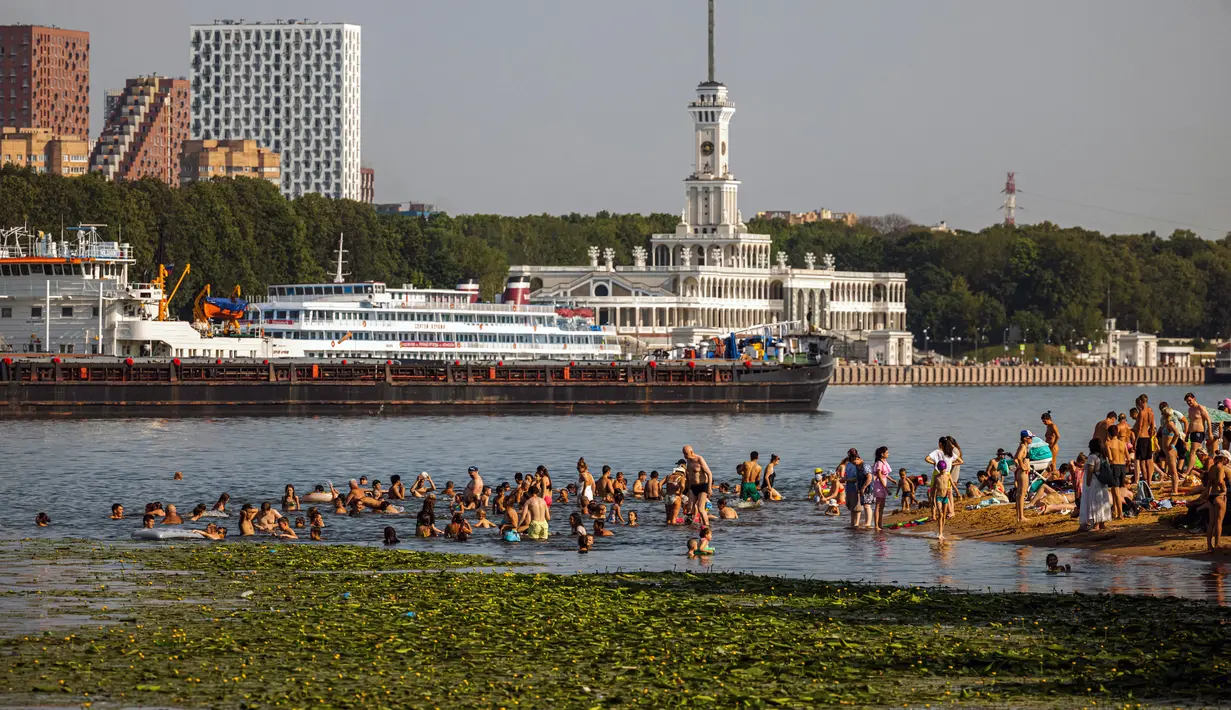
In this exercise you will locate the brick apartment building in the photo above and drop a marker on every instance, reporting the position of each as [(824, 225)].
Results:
[(367, 185), (43, 151), (145, 132), (207, 159), (45, 79)]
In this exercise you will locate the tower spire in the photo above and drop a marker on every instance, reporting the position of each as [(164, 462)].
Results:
[(711, 44)]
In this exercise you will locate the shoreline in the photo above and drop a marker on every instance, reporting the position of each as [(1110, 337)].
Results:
[(1148, 535)]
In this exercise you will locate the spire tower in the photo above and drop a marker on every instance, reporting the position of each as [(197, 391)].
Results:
[(711, 74)]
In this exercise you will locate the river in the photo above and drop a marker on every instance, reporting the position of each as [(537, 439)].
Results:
[(74, 470)]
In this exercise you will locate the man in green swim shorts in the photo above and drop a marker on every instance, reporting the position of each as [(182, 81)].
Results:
[(539, 513), (750, 477)]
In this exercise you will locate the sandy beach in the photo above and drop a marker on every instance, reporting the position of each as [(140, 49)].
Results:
[(1150, 534)]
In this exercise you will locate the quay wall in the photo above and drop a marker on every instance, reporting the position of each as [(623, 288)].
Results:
[(1015, 376)]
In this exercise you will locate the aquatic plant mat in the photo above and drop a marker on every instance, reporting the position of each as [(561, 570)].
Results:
[(250, 625)]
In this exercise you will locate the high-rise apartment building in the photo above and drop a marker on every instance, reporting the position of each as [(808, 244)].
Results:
[(367, 185), (207, 159), (43, 151), (145, 131), (45, 79), (292, 86)]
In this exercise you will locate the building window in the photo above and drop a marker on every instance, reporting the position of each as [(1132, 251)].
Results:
[(36, 311), (66, 312), (6, 312), (94, 311)]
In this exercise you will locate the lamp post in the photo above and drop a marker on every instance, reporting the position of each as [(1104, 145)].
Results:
[(951, 344), (1006, 340), (925, 343)]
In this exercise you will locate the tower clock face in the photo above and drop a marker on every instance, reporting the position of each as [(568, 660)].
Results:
[(707, 148)]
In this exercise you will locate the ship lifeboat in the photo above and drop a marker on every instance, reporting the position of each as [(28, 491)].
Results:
[(224, 309)]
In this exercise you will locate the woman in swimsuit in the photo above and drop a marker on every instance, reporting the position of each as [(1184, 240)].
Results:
[(544, 480), (221, 505), (672, 488), (315, 519), (290, 501), (246, 514), (1217, 480), (881, 473), (425, 523)]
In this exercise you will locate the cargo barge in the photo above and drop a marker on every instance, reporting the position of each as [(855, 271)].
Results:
[(112, 387)]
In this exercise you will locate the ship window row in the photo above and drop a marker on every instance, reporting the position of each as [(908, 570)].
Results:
[(327, 290), (42, 269), (403, 316), (437, 337)]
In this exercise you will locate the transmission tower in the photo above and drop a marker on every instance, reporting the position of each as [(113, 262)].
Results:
[(1010, 200)]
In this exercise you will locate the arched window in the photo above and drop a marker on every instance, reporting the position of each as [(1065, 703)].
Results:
[(601, 290), (700, 256), (536, 284), (775, 291), (662, 255)]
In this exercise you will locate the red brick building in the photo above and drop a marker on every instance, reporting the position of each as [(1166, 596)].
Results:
[(45, 79), (145, 133), (367, 185)]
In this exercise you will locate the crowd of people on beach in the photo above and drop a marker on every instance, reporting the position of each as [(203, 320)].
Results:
[(1133, 462)]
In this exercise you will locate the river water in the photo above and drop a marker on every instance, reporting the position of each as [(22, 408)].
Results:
[(74, 470)]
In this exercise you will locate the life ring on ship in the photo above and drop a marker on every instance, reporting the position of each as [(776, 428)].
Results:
[(514, 307), (333, 344), (365, 324), (451, 306)]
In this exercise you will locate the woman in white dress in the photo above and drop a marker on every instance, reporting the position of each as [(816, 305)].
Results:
[(1095, 498)]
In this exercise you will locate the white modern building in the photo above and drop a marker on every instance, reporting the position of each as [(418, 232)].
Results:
[(712, 276), (291, 85)]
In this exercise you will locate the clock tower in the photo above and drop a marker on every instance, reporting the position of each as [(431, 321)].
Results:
[(711, 191)]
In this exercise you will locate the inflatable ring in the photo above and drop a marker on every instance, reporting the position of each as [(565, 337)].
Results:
[(316, 497), (165, 534)]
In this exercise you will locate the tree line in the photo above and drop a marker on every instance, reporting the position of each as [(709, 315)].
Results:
[(1044, 282)]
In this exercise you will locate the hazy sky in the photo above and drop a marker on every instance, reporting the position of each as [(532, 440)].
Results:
[(1112, 112)]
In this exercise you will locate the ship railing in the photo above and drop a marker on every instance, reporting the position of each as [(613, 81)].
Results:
[(61, 288)]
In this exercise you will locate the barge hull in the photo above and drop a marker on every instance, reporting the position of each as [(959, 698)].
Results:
[(264, 389)]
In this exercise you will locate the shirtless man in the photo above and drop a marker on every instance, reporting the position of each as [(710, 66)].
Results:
[(700, 482), (474, 489), (423, 485), (538, 512), (1143, 433), (172, 517), (1051, 434), (604, 487), (639, 485), (1100, 429), (1198, 426), (751, 475), (511, 520), (726, 512), (653, 487), (397, 490), (353, 494)]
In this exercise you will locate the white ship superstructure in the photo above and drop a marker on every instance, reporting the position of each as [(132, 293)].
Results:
[(70, 295), (372, 320)]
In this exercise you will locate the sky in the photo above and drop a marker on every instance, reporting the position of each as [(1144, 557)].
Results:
[(1111, 112)]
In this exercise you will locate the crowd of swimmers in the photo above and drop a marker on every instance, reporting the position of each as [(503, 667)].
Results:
[(1128, 456)]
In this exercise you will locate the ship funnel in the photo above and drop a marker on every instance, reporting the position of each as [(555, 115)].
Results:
[(470, 288), (517, 291)]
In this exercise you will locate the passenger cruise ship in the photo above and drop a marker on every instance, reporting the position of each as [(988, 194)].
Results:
[(372, 320)]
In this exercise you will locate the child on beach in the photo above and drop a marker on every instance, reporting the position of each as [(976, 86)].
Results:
[(939, 493), (906, 489)]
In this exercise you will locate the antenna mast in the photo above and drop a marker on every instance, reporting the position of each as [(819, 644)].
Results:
[(1010, 200), (338, 276), (711, 79)]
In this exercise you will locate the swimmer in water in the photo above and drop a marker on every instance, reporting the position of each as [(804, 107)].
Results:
[(1053, 564), (198, 512), (639, 485), (632, 518), (315, 533), (221, 505), (267, 519), (377, 491), (179, 476), (704, 539), (482, 521), (283, 530), (290, 501), (692, 547), (43, 520), (314, 518), (147, 521), (391, 536), (423, 485), (117, 511), (600, 529), (397, 490), (246, 514), (726, 512), (339, 507), (212, 532), (584, 543), (299, 522), (172, 516)]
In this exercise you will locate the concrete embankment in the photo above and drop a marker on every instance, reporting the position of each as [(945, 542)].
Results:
[(1019, 376)]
